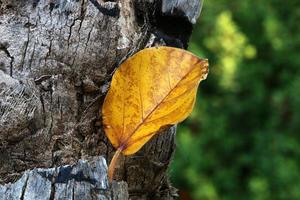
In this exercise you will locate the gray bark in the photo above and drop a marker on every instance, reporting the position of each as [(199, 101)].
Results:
[(85, 180), (56, 61)]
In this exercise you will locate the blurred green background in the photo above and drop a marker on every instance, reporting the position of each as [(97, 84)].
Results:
[(242, 140)]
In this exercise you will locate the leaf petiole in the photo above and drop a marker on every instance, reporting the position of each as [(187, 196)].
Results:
[(113, 163)]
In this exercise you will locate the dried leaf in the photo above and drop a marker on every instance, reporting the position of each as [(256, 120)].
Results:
[(153, 88)]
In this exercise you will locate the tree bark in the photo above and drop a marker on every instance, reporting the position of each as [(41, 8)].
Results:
[(85, 180), (56, 61)]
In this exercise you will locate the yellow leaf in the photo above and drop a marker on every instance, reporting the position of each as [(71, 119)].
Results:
[(153, 88)]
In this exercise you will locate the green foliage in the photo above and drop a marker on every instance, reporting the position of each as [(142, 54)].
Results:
[(242, 141)]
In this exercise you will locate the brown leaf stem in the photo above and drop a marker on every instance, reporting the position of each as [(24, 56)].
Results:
[(113, 163)]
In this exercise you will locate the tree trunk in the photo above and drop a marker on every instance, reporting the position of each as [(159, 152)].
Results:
[(56, 61)]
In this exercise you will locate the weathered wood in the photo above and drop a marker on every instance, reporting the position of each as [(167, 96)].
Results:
[(56, 61), (188, 8), (85, 180)]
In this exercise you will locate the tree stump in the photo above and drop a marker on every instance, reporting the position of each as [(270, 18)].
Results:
[(57, 58)]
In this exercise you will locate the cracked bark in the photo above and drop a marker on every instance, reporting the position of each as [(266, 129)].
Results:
[(56, 61)]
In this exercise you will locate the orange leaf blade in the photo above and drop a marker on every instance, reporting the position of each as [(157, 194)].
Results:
[(155, 87)]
